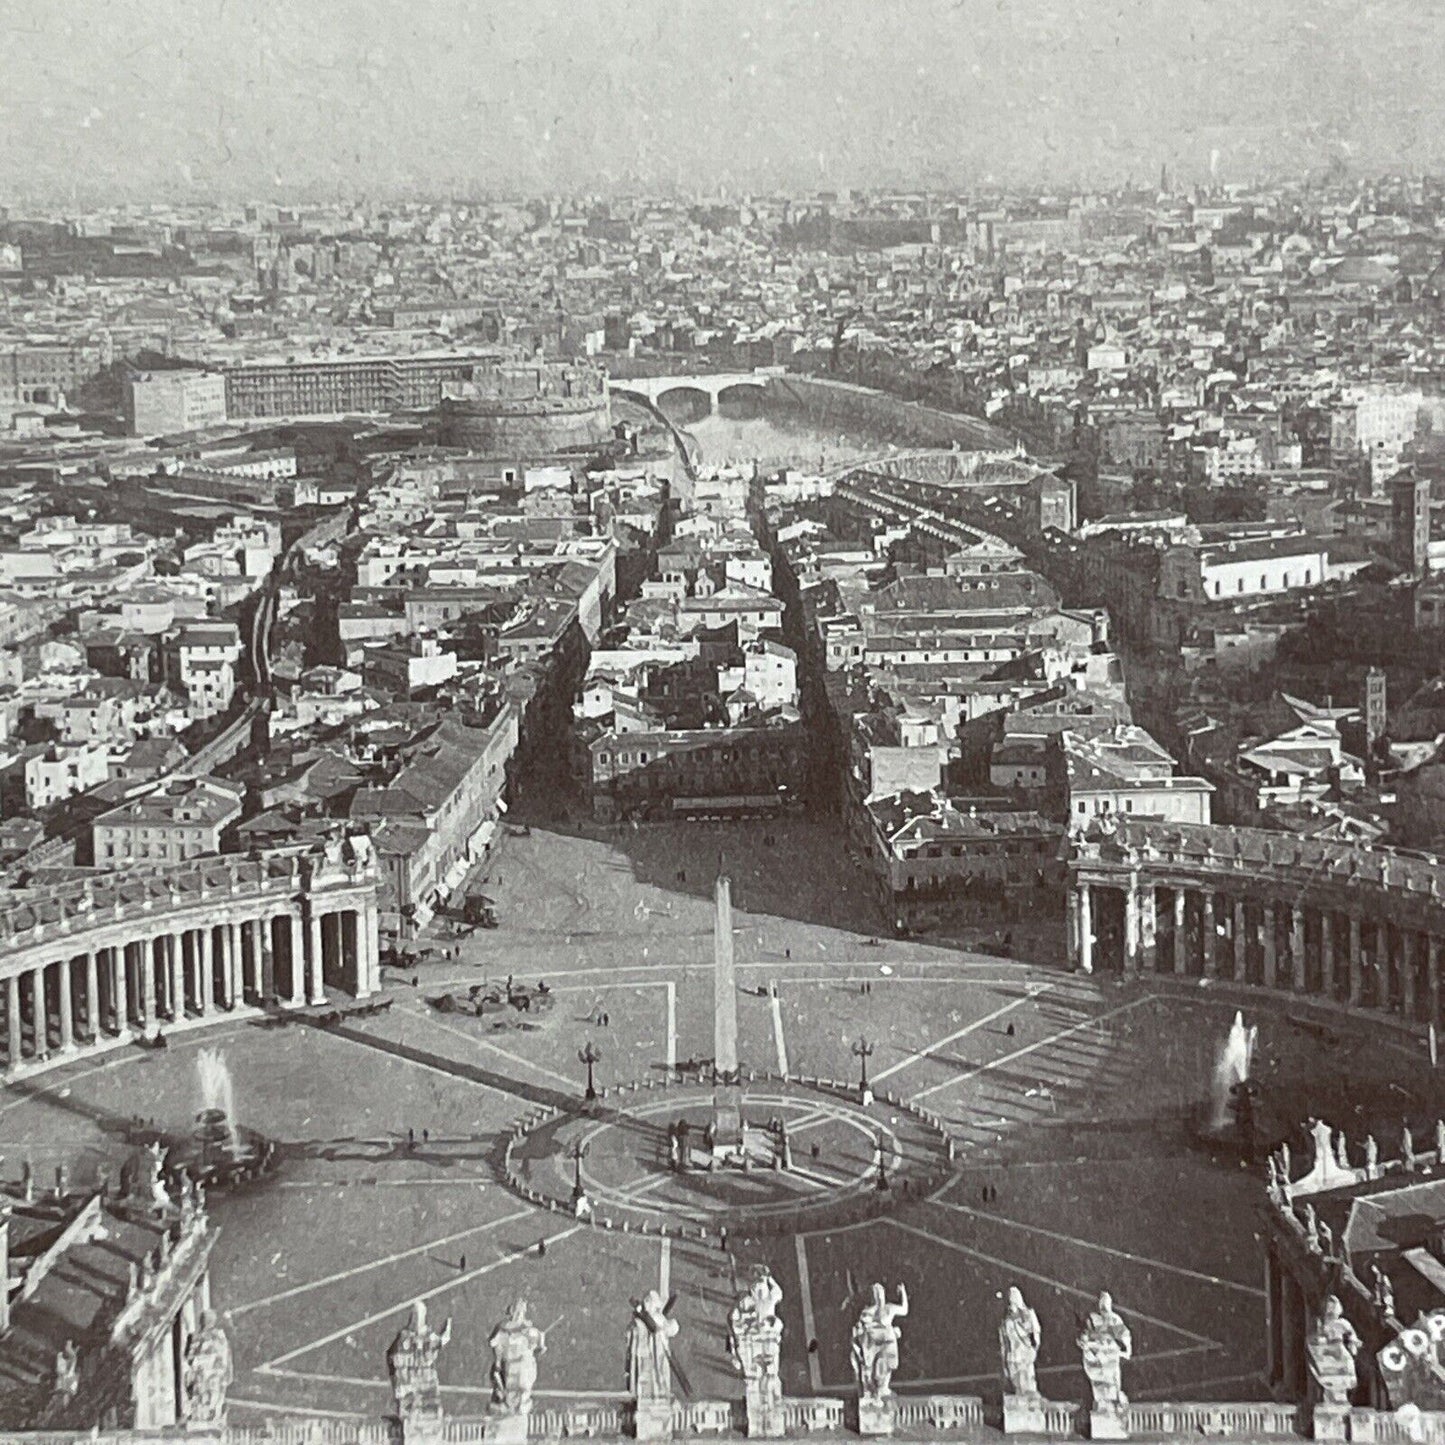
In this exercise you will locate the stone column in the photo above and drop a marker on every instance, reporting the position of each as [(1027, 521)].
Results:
[(1432, 976), (120, 993), (1148, 929), (1209, 936), (40, 1013), (149, 1014), (1296, 1321), (1385, 991), (1086, 928), (175, 957), (368, 951), (1181, 933), (231, 963), (65, 979), (246, 947), (1267, 940), (1297, 948), (1356, 970), (205, 971), (92, 994), (1407, 973), (315, 958), (14, 1042), (1131, 927), (297, 960), (1327, 953), (1273, 1366), (1241, 943)]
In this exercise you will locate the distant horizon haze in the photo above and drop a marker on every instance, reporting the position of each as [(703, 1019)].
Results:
[(283, 99)]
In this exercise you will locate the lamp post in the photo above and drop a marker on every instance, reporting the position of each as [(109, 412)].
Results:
[(589, 1054), (863, 1051), (581, 1205)]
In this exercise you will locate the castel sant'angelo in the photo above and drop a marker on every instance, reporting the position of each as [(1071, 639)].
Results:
[(527, 406)]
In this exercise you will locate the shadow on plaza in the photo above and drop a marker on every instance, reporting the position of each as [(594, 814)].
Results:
[(804, 874), (130, 1129)]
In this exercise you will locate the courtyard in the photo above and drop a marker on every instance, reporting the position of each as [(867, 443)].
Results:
[(1070, 1098)]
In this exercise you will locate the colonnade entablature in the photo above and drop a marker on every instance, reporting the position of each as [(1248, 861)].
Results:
[(1347, 922), (98, 961)]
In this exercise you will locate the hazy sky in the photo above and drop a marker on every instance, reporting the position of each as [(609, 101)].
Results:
[(372, 97)]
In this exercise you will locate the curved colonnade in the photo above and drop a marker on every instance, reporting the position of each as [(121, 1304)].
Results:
[(89, 964), (1352, 924)]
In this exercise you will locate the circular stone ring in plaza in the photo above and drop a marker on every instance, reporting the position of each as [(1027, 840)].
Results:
[(811, 1156)]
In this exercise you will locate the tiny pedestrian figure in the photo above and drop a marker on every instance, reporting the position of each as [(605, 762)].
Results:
[(462, 1265), (1010, 1031), (722, 1237), (787, 953), (426, 1136), (414, 980), (816, 1151), (411, 1138), (541, 1248)]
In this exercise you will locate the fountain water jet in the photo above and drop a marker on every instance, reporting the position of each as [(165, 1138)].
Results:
[(218, 1095), (1231, 1069)]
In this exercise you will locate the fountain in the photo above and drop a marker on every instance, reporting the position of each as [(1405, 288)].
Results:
[(1229, 1117), (218, 1098), (219, 1152), (1231, 1069)]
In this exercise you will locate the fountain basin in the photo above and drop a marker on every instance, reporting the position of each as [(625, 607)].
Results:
[(220, 1154)]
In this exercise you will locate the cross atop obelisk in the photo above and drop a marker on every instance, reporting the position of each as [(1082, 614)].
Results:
[(727, 1112)]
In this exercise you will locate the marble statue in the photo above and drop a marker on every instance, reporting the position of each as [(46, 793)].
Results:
[(1332, 1346), (1018, 1339), (1372, 1154), (1284, 1164), (411, 1361), (159, 1195), (67, 1371), (1382, 1289), (755, 1335), (1342, 1150), (1106, 1343), (516, 1345), (650, 1367), (875, 1343), (1407, 1149), (208, 1372), (649, 1349), (1311, 1224), (1439, 1142), (1326, 1238)]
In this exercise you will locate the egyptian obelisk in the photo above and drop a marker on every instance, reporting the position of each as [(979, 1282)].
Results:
[(727, 1112)]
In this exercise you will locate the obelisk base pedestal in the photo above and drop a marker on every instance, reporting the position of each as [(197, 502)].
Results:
[(727, 1122)]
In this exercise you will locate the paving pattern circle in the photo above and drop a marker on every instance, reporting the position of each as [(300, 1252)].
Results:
[(841, 1160)]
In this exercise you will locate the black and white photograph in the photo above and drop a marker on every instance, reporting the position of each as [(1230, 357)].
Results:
[(722, 720)]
